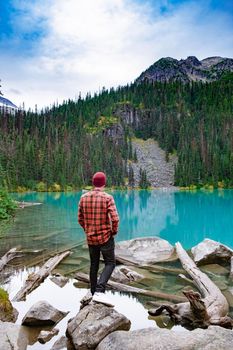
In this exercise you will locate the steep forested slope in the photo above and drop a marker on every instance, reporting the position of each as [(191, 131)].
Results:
[(67, 143)]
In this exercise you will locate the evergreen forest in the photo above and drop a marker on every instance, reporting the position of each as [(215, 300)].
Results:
[(61, 147)]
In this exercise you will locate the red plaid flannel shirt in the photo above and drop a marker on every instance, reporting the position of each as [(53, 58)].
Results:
[(97, 214)]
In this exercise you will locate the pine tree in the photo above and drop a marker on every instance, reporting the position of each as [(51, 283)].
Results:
[(131, 176), (143, 182)]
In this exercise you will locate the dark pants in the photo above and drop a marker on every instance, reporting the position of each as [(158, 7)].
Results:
[(107, 250)]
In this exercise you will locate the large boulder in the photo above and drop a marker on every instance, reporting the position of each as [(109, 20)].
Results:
[(124, 274), (92, 324), (12, 337), (146, 250), (209, 251), (43, 314), (213, 338)]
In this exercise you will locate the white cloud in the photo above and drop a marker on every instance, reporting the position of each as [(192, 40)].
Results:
[(88, 44)]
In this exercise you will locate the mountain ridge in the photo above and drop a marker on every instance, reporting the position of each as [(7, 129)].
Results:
[(169, 69)]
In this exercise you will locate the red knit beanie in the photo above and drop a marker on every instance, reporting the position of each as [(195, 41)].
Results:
[(99, 179)]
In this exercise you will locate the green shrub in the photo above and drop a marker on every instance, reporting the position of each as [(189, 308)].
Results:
[(7, 205), (5, 304), (3, 295), (41, 187), (55, 188), (21, 189), (68, 188)]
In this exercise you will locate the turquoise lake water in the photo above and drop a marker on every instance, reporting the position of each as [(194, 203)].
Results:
[(187, 217)]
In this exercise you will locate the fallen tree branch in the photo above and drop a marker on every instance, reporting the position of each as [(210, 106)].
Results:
[(35, 279), (130, 289), (209, 308), (10, 255)]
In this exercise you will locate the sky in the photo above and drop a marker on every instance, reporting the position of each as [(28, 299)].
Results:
[(54, 50)]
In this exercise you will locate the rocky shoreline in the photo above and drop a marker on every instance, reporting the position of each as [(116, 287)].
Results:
[(97, 326)]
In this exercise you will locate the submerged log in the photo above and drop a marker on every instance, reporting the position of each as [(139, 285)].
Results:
[(39, 260), (22, 205), (80, 276), (152, 268), (186, 279), (35, 279), (49, 235), (210, 309), (10, 255)]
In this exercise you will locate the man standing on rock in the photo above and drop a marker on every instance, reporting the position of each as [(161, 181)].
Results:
[(97, 214)]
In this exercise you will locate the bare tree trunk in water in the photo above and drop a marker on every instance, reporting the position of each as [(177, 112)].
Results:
[(209, 308)]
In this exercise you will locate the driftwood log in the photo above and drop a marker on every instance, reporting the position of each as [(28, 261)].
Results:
[(10, 255), (209, 308), (80, 276), (35, 279)]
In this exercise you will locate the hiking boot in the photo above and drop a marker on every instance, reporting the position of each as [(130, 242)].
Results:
[(102, 298), (87, 298)]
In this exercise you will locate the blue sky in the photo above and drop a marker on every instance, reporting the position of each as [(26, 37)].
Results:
[(51, 50)]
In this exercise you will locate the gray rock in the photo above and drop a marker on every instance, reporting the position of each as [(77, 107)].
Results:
[(60, 344), (46, 336), (213, 338), (43, 314), (209, 251), (231, 268), (92, 324), (12, 337), (128, 114), (116, 133), (123, 274), (146, 250), (59, 280), (229, 296)]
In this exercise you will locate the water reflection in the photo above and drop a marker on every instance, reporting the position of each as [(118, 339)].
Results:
[(143, 213), (173, 215), (68, 299), (201, 215)]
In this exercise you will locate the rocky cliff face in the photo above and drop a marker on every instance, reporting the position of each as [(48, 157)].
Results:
[(135, 118), (190, 69), (115, 132)]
